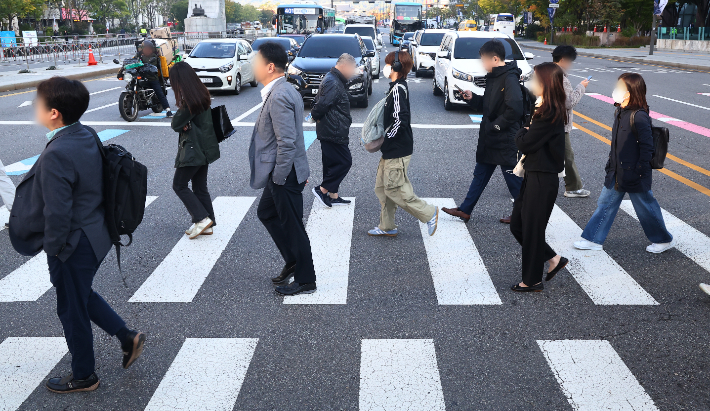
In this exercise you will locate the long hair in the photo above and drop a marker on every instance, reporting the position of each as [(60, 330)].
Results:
[(636, 86), (553, 107), (189, 91)]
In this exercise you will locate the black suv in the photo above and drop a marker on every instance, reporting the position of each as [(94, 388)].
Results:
[(318, 55)]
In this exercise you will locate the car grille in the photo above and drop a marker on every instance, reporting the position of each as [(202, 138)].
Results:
[(432, 55), (212, 70), (313, 79), (480, 81)]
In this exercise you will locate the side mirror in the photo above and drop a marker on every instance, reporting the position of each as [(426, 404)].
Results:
[(442, 54), (370, 53), (528, 55)]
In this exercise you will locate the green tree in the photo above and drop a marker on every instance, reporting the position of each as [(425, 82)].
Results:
[(232, 11), (265, 15), (178, 13), (106, 10), (249, 13)]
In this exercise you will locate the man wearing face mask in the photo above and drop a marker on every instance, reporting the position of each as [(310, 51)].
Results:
[(502, 106)]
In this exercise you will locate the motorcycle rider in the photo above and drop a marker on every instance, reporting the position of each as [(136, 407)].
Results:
[(149, 56)]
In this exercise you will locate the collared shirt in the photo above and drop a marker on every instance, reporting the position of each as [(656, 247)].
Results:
[(267, 88), (54, 132)]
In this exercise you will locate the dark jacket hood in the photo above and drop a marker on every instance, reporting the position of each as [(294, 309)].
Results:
[(339, 75), (510, 67)]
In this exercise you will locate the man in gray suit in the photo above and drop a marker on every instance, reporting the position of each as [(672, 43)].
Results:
[(277, 156)]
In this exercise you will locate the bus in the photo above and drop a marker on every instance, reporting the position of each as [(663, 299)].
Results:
[(504, 23), (303, 19), (404, 17)]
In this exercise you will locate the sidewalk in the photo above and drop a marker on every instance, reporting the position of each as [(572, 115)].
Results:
[(681, 59), (11, 80)]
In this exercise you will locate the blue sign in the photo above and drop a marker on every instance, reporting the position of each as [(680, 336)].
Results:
[(554, 1), (551, 13), (288, 11), (8, 38)]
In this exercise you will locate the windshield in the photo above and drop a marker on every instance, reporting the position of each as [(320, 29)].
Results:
[(298, 23), (471, 25), (431, 39), (408, 36), (299, 39), (209, 50), (369, 44), (407, 12), (362, 31), (330, 47), (284, 42), (503, 17), (467, 48)]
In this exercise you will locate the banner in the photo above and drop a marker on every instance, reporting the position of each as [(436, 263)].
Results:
[(29, 38), (658, 6), (7, 39)]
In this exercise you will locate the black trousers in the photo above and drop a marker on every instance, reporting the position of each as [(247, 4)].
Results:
[(78, 305), (337, 161), (197, 201), (281, 211), (155, 85), (531, 212)]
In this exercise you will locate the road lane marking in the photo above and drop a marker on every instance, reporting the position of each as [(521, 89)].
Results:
[(476, 118), (593, 377), (103, 91), (24, 364), (17, 94), (681, 102), (689, 241), (584, 77), (457, 269), (4, 217), (25, 104), (251, 110), (400, 375), (102, 107), (602, 278), (207, 374), (330, 231), (180, 275), (23, 166), (704, 94), (309, 137), (30, 281), (235, 124)]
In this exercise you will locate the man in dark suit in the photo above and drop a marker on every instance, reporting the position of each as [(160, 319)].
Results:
[(277, 156), (59, 210)]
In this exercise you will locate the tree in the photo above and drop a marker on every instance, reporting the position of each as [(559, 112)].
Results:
[(106, 10), (265, 15), (232, 11), (249, 13), (178, 12)]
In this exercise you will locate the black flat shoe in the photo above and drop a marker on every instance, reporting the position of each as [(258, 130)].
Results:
[(563, 262), (286, 274), (132, 347), (64, 385), (533, 288), (296, 288)]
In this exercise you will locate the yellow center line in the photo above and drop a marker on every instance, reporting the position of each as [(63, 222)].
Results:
[(669, 156)]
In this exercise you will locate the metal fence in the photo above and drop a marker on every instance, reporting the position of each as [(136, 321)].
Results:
[(187, 41), (684, 33)]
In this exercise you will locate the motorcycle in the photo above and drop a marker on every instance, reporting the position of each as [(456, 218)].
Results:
[(138, 95)]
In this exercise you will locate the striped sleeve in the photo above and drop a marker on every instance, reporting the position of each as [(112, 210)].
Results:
[(396, 109)]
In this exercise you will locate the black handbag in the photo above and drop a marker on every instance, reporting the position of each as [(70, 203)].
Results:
[(661, 136), (223, 127)]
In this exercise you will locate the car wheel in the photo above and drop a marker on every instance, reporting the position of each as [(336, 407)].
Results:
[(238, 84), (448, 105), (417, 73), (253, 83), (369, 88), (435, 89)]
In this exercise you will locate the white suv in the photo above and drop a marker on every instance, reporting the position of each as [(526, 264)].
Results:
[(424, 47), (458, 63)]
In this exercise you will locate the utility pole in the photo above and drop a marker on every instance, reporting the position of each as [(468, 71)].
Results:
[(653, 34)]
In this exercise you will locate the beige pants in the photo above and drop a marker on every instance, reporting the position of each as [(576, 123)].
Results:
[(393, 189)]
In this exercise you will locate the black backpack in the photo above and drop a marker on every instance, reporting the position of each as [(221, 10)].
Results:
[(661, 136), (528, 106), (125, 190)]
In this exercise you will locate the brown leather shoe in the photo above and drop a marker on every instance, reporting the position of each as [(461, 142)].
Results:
[(456, 213), (505, 220)]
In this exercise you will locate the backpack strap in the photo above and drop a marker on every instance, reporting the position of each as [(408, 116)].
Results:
[(98, 140)]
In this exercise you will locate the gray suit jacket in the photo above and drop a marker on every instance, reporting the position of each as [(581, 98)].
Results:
[(277, 140)]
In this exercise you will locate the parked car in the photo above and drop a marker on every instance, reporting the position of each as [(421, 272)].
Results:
[(319, 54), (468, 25), (289, 44), (371, 46), (362, 30), (424, 47), (300, 38), (458, 63), (223, 64), (404, 44)]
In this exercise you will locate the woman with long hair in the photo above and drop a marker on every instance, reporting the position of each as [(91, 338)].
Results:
[(197, 147), (543, 144), (628, 170)]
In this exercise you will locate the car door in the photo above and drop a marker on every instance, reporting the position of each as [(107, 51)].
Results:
[(440, 70), (246, 63), (446, 62)]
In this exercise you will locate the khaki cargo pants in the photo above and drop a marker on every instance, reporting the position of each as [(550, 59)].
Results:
[(393, 189)]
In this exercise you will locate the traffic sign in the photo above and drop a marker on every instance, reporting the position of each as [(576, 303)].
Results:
[(551, 13), (553, 5)]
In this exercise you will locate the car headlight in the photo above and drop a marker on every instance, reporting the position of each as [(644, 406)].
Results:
[(361, 69), (461, 76), (293, 70), (527, 77), (226, 67), (128, 77)]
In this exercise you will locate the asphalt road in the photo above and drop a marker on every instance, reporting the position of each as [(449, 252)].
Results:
[(620, 330)]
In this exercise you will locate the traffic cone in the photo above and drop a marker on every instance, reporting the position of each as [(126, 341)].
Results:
[(618, 30), (604, 29), (92, 60), (545, 40)]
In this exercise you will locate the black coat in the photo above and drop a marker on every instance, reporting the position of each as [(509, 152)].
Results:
[(629, 163), (502, 106), (331, 109), (61, 196), (543, 145), (399, 139)]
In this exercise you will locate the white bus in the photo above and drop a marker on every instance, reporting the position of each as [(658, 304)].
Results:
[(504, 23)]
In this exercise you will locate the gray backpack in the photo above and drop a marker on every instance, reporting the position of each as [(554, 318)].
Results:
[(373, 129)]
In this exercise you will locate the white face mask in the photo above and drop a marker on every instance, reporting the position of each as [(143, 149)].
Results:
[(387, 71), (618, 95)]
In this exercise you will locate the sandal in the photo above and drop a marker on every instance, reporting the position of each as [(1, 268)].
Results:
[(563, 262), (533, 288)]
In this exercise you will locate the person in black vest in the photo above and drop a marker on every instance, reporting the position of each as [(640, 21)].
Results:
[(502, 107), (59, 209), (543, 144), (331, 111)]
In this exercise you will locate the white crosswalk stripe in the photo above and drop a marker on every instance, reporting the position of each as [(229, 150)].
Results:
[(605, 281), (400, 375), (689, 241), (330, 231), (593, 377), (24, 364), (180, 275), (206, 375), (459, 274), (4, 217)]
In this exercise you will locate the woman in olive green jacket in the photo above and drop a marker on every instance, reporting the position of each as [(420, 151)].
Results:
[(197, 147)]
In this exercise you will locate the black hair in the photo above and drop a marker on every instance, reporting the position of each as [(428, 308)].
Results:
[(69, 97), (189, 91), (493, 48), (560, 52), (275, 53)]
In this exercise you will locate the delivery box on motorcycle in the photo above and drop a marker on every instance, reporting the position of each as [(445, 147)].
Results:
[(160, 33)]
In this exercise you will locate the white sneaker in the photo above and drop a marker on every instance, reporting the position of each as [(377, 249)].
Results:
[(587, 245), (705, 288), (577, 193), (200, 227), (189, 230), (657, 248), (431, 224)]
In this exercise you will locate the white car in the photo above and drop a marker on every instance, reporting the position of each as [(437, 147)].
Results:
[(424, 47), (372, 46), (223, 64), (362, 30), (459, 64)]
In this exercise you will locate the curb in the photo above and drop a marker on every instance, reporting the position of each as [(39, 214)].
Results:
[(630, 59), (78, 76)]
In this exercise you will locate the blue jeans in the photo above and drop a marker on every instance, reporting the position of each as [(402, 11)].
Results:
[(647, 210), (481, 176)]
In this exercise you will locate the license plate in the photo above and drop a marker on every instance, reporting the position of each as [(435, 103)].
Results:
[(205, 80), (314, 91)]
